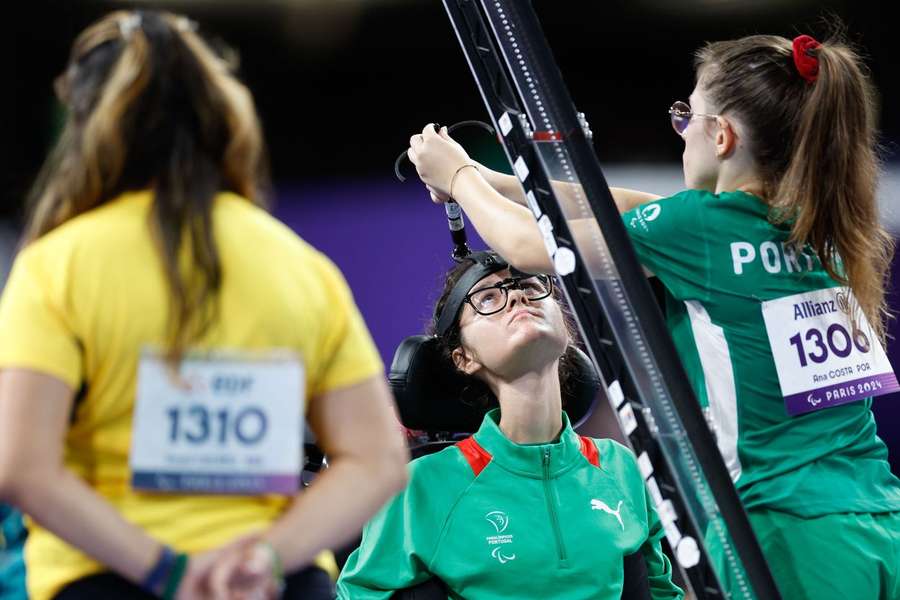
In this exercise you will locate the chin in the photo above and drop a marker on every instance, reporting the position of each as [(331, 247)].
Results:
[(529, 328), (537, 337)]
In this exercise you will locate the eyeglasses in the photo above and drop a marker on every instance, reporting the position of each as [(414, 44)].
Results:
[(493, 298), (681, 115)]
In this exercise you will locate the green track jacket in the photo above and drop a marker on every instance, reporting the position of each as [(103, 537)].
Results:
[(495, 519)]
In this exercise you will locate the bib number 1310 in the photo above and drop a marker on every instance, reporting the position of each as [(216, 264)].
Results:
[(226, 422), (198, 425)]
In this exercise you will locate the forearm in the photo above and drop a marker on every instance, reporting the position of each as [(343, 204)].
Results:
[(334, 508), (505, 185), (567, 193), (507, 227), (509, 187), (66, 506)]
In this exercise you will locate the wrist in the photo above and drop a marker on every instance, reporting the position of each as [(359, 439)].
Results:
[(456, 174), (155, 579), (173, 582), (277, 564)]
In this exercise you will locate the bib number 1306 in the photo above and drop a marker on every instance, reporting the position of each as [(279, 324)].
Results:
[(821, 359), (835, 341)]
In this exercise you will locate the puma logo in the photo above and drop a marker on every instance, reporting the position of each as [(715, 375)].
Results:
[(601, 505)]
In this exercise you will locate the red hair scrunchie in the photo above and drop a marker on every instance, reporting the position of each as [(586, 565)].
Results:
[(807, 64)]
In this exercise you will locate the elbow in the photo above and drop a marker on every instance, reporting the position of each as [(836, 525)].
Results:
[(13, 482), (389, 469), (7, 489), (529, 254), (383, 469), (9, 483), (393, 471), (23, 483)]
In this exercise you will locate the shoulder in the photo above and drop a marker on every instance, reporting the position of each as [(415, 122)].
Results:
[(444, 476), (617, 459), (612, 451), (685, 201), (620, 463), (235, 215), (436, 482), (241, 225), (663, 214), (449, 467), (105, 224)]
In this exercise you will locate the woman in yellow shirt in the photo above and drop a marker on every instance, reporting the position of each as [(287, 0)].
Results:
[(162, 337)]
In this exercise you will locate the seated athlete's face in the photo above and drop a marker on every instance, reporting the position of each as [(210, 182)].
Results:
[(524, 336)]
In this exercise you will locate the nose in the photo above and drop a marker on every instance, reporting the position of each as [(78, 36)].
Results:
[(516, 296)]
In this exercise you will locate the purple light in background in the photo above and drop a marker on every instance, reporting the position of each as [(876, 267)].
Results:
[(389, 240)]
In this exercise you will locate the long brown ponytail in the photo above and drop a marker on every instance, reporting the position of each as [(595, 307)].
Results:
[(815, 143), (151, 106)]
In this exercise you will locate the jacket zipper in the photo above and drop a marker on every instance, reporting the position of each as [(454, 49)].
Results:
[(551, 506)]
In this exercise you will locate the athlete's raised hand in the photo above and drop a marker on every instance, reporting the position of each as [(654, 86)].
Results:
[(437, 158)]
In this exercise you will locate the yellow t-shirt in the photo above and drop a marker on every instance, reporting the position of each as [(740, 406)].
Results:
[(82, 301)]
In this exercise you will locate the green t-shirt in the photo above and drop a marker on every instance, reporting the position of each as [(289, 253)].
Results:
[(720, 258)]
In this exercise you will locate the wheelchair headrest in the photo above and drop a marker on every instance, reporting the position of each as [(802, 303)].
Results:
[(431, 393)]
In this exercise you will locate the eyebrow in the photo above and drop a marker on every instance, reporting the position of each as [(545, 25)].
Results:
[(478, 288)]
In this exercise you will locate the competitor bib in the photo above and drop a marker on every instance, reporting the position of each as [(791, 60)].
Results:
[(819, 360), (230, 424)]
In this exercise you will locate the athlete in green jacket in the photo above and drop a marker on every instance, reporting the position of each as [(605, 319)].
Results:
[(525, 508), (774, 264), (496, 519)]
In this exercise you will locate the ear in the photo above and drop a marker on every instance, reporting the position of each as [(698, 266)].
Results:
[(465, 361), (726, 138)]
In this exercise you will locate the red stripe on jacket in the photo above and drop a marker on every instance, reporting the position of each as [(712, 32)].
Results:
[(477, 457), (589, 449)]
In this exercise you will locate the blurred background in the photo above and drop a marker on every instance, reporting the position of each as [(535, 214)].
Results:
[(342, 84)]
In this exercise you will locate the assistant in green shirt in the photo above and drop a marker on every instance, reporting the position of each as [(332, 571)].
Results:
[(719, 258)]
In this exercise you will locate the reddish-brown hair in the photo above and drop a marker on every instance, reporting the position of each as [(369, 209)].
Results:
[(815, 144)]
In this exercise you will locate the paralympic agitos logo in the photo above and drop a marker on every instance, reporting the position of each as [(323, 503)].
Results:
[(500, 521)]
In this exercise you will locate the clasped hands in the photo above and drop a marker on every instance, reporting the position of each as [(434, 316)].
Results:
[(245, 569)]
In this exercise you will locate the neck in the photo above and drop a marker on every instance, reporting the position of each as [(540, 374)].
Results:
[(740, 174), (531, 406)]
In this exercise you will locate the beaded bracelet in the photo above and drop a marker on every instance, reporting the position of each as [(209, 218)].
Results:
[(175, 577)]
